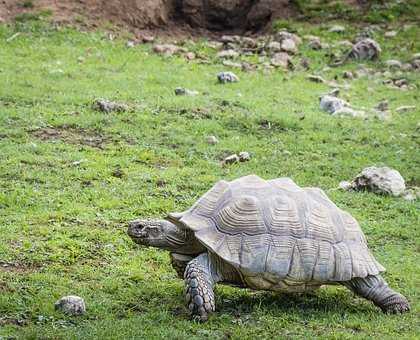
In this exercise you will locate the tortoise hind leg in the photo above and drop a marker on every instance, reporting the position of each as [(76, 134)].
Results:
[(376, 289), (199, 283)]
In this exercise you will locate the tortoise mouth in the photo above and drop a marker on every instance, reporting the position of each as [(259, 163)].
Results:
[(136, 229)]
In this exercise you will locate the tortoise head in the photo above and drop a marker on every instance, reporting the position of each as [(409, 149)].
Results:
[(165, 235), (151, 232)]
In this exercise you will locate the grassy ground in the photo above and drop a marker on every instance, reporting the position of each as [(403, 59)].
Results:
[(71, 177)]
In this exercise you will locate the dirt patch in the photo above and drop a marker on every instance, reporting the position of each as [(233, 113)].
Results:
[(18, 268), (71, 135), (233, 15)]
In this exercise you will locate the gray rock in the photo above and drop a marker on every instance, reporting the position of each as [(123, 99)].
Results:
[(283, 35), (315, 43), (281, 59), (230, 63), (315, 78), (382, 180), (348, 112), (212, 140), (181, 91), (244, 156), (337, 29), (365, 49), (274, 46), (72, 305), (348, 75), (392, 63), (390, 34), (288, 45), (166, 49), (107, 106), (227, 77), (228, 54), (331, 104)]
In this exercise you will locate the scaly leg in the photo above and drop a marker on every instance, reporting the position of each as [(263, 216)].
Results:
[(376, 289), (199, 283)]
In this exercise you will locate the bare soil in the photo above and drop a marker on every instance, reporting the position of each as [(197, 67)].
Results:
[(172, 15)]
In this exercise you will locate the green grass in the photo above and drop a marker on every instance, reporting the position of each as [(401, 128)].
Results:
[(66, 197)]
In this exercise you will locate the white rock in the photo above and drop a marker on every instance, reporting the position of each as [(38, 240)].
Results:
[(337, 29), (405, 108), (72, 305), (382, 180), (348, 112), (315, 78), (390, 34), (227, 54), (212, 140), (283, 35)]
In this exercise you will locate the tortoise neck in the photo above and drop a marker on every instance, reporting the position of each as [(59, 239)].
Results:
[(181, 240)]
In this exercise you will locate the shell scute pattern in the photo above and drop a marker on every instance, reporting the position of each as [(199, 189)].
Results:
[(274, 230)]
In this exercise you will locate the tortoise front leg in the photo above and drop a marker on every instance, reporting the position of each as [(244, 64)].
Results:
[(199, 283), (376, 289)]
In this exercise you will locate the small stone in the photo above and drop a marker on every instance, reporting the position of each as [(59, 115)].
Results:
[(288, 45), (227, 77), (315, 44), (283, 35), (344, 185), (405, 108), (244, 156), (166, 49), (390, 34), (147, 38), (230, 63), (72, 305), (212, 140), (231, 159), (315, 78), (337, 29), (181, 91), (331, 104), (391, 63), (229, 39), (382, 180), (189, 55), (217, 45), (230, 54), (345, 44), (348, 112), (274, 46), (249, 42), (348, 75), (109, 106), (281, 59), (130, 44)]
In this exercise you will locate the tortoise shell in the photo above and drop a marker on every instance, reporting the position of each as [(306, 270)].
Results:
[(277, 231)]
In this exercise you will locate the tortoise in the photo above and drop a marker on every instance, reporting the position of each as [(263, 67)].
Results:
[(266, 235)]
